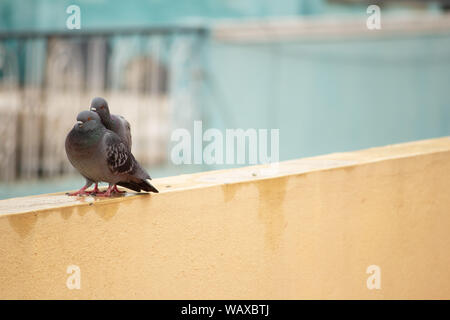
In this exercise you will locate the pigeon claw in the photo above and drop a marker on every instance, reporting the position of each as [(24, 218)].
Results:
[(106, 193), (79, 193), (116, 190), (83, 192), (109, 192)]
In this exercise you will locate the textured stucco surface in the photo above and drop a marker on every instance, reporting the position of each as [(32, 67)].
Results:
[(308, 231)]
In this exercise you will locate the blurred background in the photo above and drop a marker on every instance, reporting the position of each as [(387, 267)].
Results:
[(310, 68)]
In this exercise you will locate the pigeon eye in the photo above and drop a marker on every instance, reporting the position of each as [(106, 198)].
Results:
[(102, 107), (89, 119)]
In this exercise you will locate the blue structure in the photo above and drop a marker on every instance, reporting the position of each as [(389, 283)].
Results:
[(333, 96)]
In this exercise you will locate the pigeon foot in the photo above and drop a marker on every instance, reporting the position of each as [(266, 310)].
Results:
[(106, 193), (115, 189), (79, 193), (82, 191)]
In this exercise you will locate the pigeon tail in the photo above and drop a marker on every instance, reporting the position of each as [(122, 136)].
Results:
[(138, 186), (145, 185)]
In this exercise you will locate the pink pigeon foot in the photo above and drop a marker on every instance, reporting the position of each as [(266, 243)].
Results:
[(80, 192), (117, 190), (96, 189), (107, 193)]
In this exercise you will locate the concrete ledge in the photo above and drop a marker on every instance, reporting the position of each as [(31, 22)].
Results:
[(309, 230), (253, 31)]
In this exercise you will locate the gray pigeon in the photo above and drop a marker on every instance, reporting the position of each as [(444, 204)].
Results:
[(100, 154), (115, 123)]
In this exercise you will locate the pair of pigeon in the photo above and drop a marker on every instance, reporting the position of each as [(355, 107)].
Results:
[(99, 147)]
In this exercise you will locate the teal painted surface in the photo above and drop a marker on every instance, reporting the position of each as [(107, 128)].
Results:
[(333, 96), (51, 14)]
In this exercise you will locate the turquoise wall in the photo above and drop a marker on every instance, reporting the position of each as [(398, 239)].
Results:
[(332, 96), (51, 14)]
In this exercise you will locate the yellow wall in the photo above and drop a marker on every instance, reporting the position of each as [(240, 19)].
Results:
[(308, 231)]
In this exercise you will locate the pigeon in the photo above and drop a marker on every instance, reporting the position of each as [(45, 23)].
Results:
[(115, 123), (99, 154)]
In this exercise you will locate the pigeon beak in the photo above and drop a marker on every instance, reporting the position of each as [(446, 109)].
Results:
[(80, 123), (93, 109)]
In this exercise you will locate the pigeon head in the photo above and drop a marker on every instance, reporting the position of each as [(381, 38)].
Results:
[(87, 120), (100, 106)]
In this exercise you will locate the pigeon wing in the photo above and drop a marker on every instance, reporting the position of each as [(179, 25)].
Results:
[(122, 128), (119, 158), (127, 132)]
